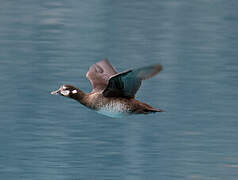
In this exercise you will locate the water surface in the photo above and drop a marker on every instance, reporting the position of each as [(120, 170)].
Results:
[(48, 43)]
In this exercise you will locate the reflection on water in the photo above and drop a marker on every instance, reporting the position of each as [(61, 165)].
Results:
[(49, 43)]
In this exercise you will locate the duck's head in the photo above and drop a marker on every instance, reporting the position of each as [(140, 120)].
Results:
[(67, 91)]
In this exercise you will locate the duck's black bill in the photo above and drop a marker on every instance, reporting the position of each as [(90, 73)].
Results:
[(55, 92)]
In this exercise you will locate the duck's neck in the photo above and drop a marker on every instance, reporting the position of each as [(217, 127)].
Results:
[(79, 96)]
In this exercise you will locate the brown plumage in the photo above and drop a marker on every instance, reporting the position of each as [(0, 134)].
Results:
[(113, 93)]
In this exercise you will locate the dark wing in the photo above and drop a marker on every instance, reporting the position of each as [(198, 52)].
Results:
[(127, 83), (100, 73)]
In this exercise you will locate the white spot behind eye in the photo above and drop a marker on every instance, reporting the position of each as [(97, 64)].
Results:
[(74, 91), (65, 92), (64, 87)]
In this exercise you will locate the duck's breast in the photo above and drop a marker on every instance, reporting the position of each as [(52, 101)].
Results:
[(114, 108)]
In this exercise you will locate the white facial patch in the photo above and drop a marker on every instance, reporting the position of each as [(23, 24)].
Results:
[(74, 91), (65, 92), (64, 87)]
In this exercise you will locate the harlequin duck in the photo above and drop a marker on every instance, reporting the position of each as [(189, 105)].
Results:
[(113, 93)]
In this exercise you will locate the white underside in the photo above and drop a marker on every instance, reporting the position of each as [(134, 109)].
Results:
[(112, 114), (114, 109)]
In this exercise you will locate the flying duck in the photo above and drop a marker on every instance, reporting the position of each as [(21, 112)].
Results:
[(113, 93)]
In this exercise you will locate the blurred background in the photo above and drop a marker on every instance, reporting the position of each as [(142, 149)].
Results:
[(47, 43)]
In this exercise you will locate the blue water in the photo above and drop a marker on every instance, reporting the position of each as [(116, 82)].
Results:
[(45, 44)]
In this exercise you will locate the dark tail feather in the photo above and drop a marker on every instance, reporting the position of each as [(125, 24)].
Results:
[(153, 110)]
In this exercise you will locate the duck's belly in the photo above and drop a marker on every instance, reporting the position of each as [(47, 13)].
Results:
[(114, 109)]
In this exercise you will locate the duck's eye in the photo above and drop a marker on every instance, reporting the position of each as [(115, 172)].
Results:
[(65, 92)]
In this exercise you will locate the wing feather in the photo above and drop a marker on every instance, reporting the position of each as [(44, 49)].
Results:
[(100, 73), (127, 83)]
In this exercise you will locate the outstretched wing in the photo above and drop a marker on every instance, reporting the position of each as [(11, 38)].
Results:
[(100, 73), (127, 83)]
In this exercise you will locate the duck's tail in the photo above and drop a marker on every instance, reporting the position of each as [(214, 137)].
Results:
[(153, 110)]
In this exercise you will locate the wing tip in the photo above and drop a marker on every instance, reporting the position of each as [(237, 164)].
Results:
[(104, 60), (158, 67), (152, 70)]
